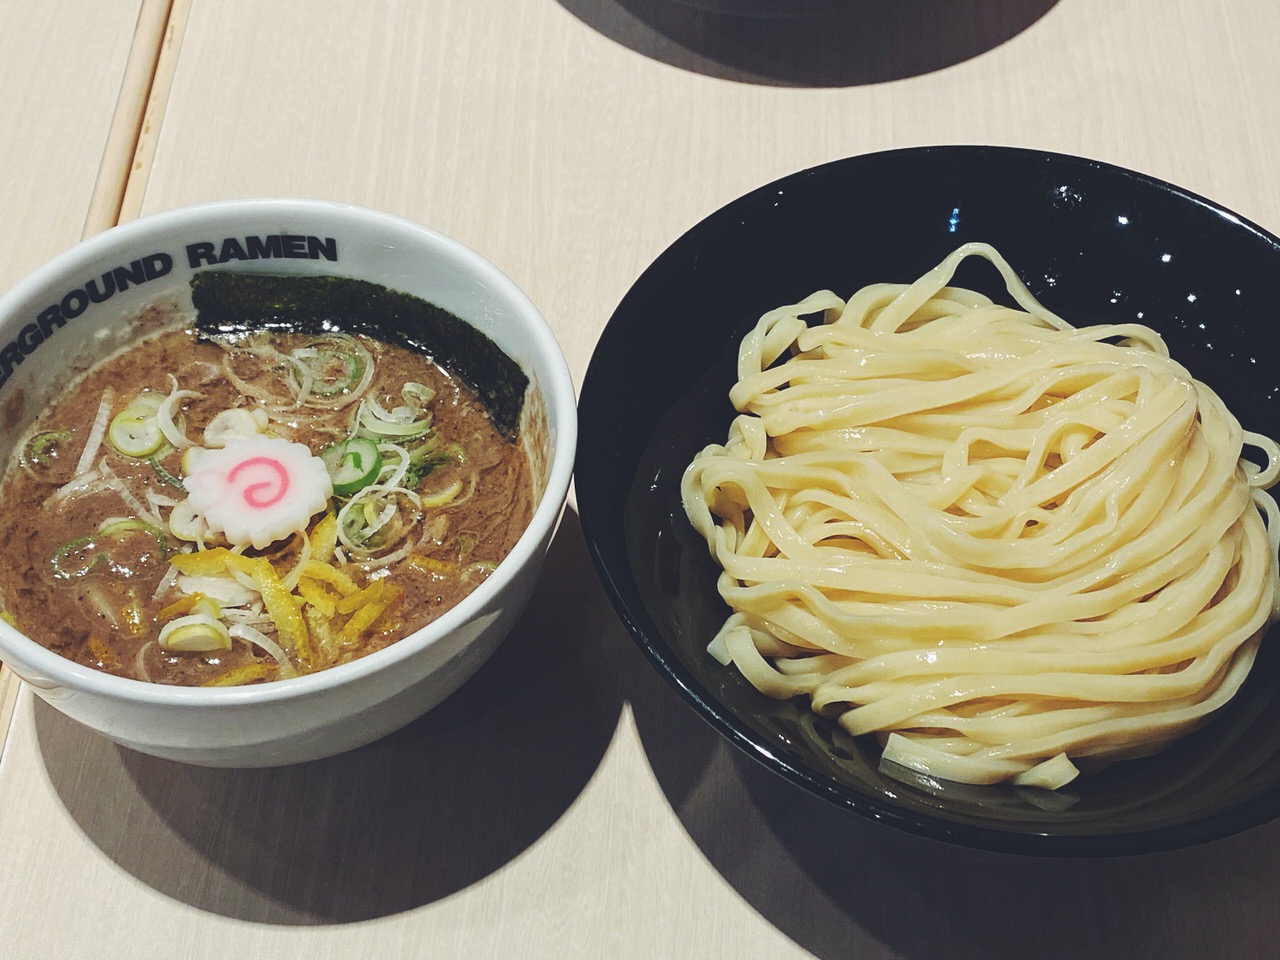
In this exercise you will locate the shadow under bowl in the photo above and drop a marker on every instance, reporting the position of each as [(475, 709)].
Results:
[(1095, 243)]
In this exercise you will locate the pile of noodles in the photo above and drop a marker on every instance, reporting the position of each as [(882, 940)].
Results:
[(995, 541)]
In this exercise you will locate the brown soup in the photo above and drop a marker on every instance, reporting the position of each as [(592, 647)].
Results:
[(403, 500)]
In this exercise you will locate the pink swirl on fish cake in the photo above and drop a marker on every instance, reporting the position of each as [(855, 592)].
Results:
[(277, 485)]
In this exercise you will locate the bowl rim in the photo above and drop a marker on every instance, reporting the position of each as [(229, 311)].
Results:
[(555, 386), (597, 522)]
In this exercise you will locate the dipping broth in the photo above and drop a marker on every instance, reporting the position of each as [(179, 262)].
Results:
[(226, 509)]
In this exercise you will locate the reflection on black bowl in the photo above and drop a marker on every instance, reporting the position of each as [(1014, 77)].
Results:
[(1096, 243)]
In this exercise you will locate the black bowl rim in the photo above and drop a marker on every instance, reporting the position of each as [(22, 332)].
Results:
[(642, 630)]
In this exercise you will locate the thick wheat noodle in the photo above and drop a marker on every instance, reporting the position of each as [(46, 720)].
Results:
[(995, 541)]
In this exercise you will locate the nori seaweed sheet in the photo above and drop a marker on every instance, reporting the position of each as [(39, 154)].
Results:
[(229, 302)]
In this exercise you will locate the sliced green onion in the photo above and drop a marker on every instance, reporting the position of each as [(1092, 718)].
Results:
[(352, 464), (196, 633), (443, 497), (419, 393), (135, 430), (232, 423), (360, 520), (89, 552), (351, 366), (164, 475), (119, 525), (398, 424), (395, 463), (426, 457), (242, 631), (376, 518), (186, 524), (116, 525), (42, 449), (64, 569), (334, 364), (97, 433), (171, 423)]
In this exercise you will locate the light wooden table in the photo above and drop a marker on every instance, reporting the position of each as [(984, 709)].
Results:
[(565, 803)]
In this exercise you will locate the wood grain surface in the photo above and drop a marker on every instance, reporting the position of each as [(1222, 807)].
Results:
[(565, 803), (63, 73)]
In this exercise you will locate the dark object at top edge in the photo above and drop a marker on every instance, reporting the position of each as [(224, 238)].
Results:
[(231, 302)]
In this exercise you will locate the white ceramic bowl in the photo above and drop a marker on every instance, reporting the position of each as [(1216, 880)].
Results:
[(333, 710)]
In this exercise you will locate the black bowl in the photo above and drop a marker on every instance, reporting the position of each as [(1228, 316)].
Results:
[(1095, 243)]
